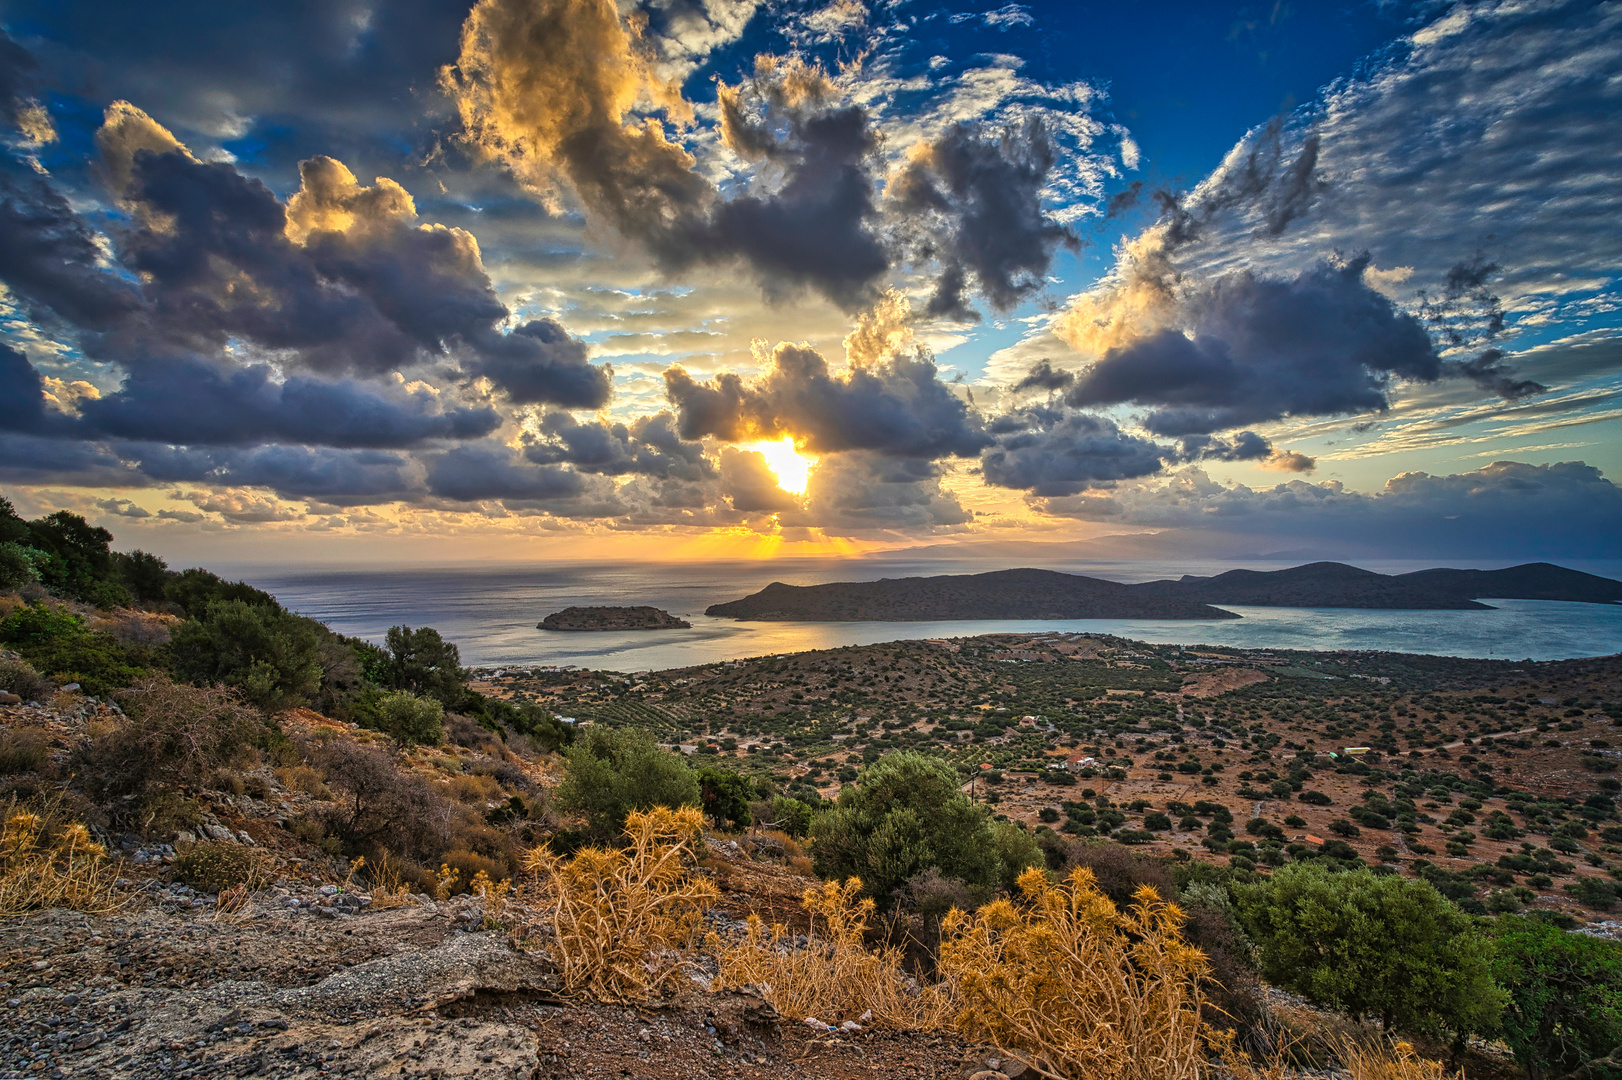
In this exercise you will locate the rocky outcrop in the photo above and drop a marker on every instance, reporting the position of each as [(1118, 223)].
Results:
[(612, 618)]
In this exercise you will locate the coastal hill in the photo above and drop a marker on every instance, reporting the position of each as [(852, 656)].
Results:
[(1336, 585), (612, 618), (1047, 594), (1001, 594)]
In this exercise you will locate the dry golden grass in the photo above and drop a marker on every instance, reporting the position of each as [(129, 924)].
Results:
[(835, 978), (385, 884), (615, 922), (1380, 1059), (46, 862), (1075, 987)]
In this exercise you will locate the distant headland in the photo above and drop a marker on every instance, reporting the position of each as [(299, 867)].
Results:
[(612, 618), (1048, 594)]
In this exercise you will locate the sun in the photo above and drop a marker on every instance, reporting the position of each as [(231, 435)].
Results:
[(789, 465)]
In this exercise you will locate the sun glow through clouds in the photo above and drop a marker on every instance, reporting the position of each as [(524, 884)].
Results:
[(789, 465)]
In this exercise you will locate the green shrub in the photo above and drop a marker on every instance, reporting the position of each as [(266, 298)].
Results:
[(19, 677), (1372, 945), (56, 643), (906, 815), (1565, 995), (19, 565), (411, 719), (610, 773), (724, 796), (268, 654)]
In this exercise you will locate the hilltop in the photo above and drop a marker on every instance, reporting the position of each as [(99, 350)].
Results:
[(1048, 594)]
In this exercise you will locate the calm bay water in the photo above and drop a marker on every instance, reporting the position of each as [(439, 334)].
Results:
[(491, 614)]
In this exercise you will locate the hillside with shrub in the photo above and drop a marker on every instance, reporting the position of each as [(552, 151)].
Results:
[(238, 843)]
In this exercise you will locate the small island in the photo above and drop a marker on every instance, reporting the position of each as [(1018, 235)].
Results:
[(612, 618)]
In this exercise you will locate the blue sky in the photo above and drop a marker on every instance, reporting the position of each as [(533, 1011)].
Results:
[(548, 278)]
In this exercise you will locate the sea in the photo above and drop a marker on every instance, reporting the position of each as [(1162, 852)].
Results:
[(490, 612)]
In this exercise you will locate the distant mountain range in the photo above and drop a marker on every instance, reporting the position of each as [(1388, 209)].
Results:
[(1047, 594)]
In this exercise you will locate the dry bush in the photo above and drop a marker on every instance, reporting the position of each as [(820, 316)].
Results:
[(378, 805), (474, 789), (836, 977), (305, 779), (48, 861), (143, 628), (17, 676), (216, 865), (615, 921), (24, 750), (1075, 986), (174, 734)]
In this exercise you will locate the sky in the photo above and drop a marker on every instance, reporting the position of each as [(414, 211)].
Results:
[(401, 280)]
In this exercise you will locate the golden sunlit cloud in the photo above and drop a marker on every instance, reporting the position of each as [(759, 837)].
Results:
[(791, 467)]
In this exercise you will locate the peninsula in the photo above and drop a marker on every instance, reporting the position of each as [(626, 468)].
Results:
[(1001, 594), (1048, 594), (612, 618)]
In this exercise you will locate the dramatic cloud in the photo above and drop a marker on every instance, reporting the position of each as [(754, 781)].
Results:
[(18, 107), (1247, 349), (896, 406), (648, 446), (978, 203), (339, 477), (193, 403), (563, 93), (750, 485), (488, 471), (1052, 452), (1485, 139), (1506, 509), (862, 493), (343, 276)]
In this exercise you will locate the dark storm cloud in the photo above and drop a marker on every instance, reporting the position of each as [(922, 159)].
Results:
[(22, 392), (539, 362), (648, 446), (48, 253), (1244, 446), (815, 230), (896, 406), (1259, 349), (489, 471), (367, 292), (339, 477), (32, 459), (287, 80), (977, 203), (1043, 376), (1052, 452), (189, 402)]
